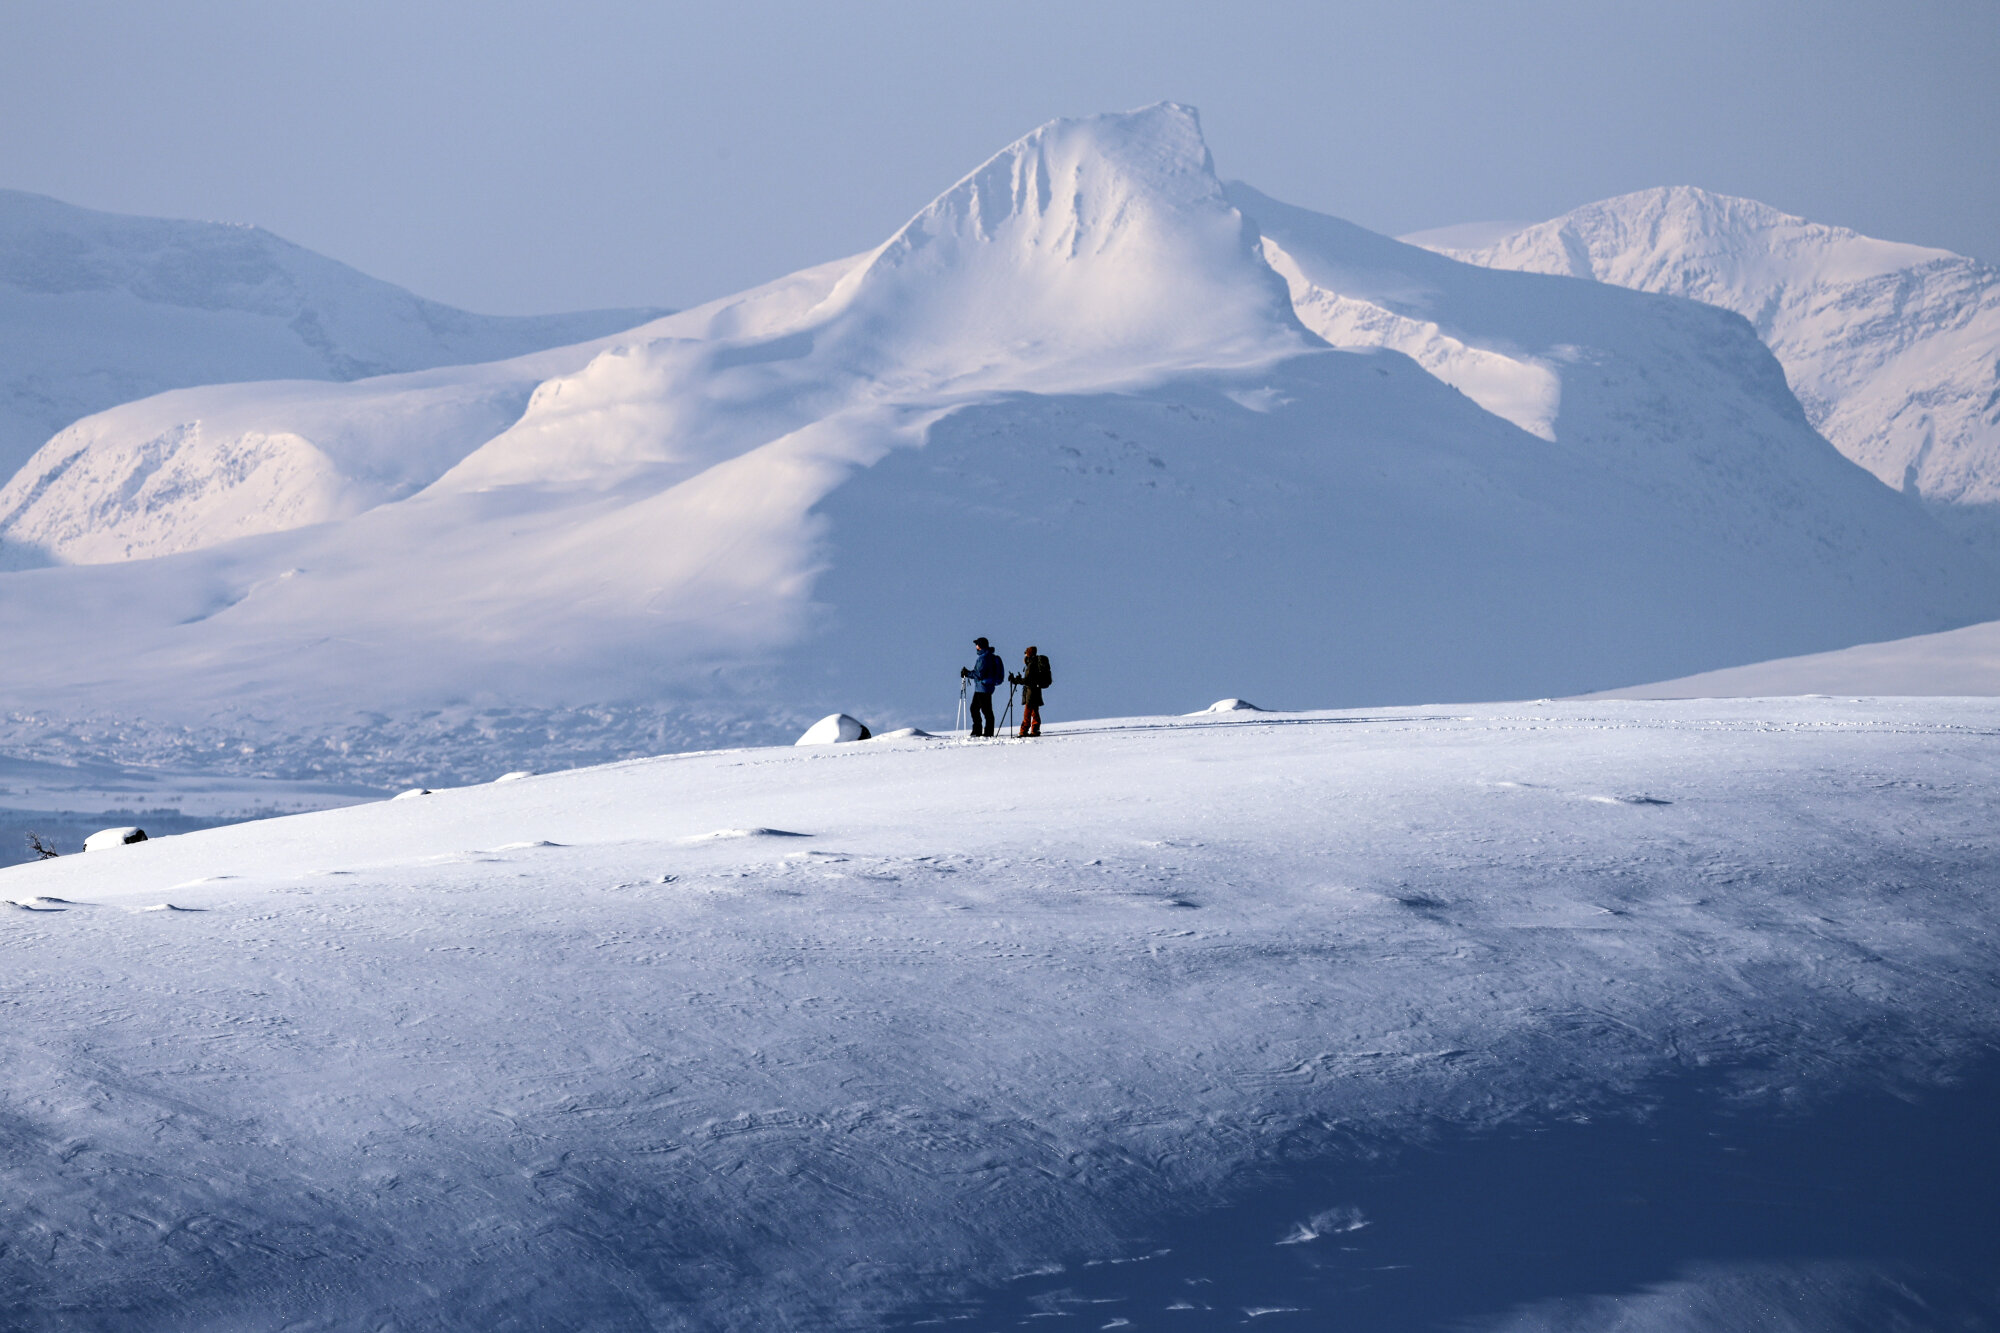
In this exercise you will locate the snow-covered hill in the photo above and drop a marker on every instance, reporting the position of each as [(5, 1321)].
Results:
[(1086, 399), (1893, 349), (1634, 1016), (1960, 662), (198, 467), (98, 309)]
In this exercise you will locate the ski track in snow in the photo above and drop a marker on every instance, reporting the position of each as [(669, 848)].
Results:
[(1484, 1016)]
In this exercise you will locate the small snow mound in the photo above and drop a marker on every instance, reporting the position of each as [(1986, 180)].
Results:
[(513, 777), (902, 734), (414, 791), (723, 833), (524, 846), (113, 837), (1230, 706), (168, 907), (833, 728)]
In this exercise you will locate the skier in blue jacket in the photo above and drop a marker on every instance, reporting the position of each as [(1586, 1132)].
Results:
[(985, 673)]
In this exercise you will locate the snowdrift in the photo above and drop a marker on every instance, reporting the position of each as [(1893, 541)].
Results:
[(833, 729), (1894, 350), (1184, 437), (1668, 1015)]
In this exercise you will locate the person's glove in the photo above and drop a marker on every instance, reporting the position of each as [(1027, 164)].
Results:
[(965, 673), (1014, 680)]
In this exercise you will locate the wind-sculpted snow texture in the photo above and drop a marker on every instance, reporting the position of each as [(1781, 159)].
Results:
[(98, 309), (1086, 398), (1559, 1016), (1893, 349)]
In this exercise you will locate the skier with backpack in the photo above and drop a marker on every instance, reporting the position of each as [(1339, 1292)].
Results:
[(985, 673), (1033, 678)]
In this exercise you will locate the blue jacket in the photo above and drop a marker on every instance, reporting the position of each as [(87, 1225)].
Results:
[(987, 673)]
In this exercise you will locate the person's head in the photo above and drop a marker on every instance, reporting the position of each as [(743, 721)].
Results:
[(981, 644), (1030, 652)]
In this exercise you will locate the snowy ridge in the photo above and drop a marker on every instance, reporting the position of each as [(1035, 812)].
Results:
[(1893, 349), (1086, 367), (1353, 290), (1508, 1017), (1108, 239), (98, 309), (1521, 389)]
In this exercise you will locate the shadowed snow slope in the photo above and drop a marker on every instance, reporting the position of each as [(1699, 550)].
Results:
[(98, 309), (1084, 399), (1506, 1017), (1893, 349)]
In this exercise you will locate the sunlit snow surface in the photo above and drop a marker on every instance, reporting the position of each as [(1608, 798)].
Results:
[(1509, 1016)]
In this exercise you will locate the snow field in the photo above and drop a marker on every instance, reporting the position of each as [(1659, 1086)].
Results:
[(855, 1035)]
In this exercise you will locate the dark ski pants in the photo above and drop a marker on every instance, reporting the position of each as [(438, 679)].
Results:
[(1031, 719), (982, 713)]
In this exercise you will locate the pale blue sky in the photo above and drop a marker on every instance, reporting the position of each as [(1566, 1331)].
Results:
[(515, 157)]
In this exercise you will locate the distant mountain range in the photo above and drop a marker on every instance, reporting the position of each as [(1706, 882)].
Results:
[(1894, 350), (1189, 440), (98, 309)]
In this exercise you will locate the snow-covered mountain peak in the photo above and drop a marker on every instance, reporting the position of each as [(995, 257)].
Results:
[(1073, 187), (1646, 238), (99, 309), (1090, 254), (1893, 349), (1107, 237), (51, 247)]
